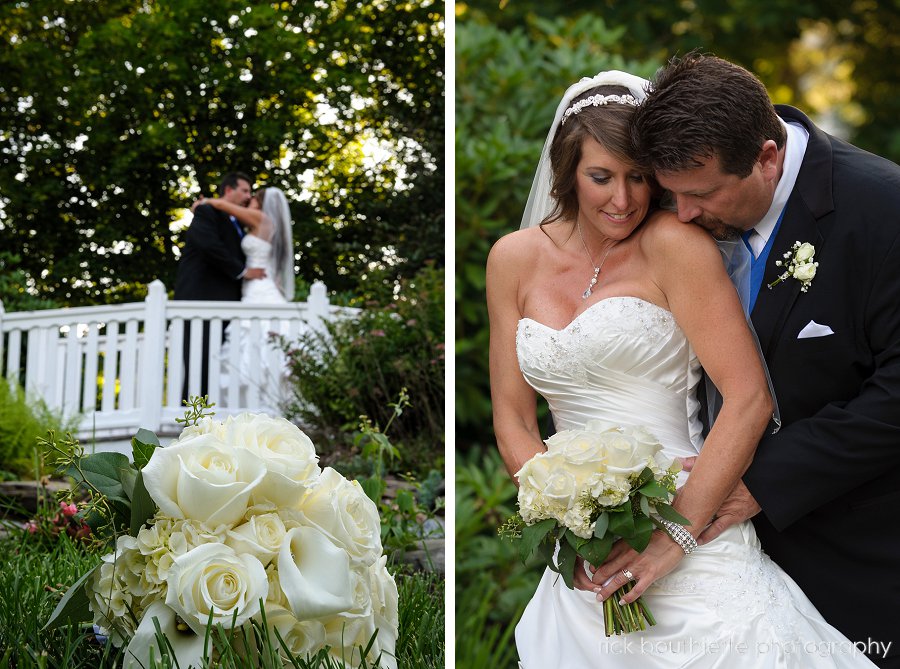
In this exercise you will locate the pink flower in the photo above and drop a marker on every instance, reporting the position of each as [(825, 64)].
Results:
[(411, 322), (31, 526), (378, 333), (440, 347), (68, 510)]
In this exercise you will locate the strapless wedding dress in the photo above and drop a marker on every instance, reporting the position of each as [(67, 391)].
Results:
[(626, 361), (259, 362)]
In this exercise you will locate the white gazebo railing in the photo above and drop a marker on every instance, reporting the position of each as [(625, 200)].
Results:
[(120, 367)]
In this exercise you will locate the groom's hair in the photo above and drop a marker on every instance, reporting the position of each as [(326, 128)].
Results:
[(700, 106), (231, 179)]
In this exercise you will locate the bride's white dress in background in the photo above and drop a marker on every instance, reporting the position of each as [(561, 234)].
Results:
[(626, 361), (256, 351)]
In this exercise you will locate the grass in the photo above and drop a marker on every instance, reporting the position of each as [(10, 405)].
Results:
[(33, 577)]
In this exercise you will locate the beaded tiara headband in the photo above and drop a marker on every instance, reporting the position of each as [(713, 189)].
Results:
[(597, 101)]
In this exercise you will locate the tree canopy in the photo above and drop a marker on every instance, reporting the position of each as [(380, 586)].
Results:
[(115, 115)]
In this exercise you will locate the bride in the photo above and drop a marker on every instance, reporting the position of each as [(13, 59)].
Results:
[(607, 306), (268, 244)]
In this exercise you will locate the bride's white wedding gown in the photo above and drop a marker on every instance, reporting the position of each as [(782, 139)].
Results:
[(257, 355), (727, 604)]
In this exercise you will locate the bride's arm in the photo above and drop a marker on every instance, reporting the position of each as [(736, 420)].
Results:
[(513, 400), (249, 217), (688, 268)]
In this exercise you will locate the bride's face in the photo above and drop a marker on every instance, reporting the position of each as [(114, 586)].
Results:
[(613, 197)]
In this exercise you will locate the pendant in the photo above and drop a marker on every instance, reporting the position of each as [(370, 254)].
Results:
[(590, 289)]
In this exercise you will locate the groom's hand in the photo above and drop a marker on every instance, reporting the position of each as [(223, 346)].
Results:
[(255, 273), (737, 507)]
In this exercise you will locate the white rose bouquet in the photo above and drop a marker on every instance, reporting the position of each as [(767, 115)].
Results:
[(234, 524), (593, 486)]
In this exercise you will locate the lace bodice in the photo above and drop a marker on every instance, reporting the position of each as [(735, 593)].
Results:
[(624, 360)]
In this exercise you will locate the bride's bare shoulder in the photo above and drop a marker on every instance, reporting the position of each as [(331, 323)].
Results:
[(664, 234), (522, 247)]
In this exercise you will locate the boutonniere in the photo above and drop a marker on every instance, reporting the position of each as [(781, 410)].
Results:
[(799, 264)]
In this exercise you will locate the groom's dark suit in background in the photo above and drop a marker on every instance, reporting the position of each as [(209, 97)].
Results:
[(829, 481), (209, 269)]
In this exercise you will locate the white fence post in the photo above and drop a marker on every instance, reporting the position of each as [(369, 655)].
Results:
[(150, 384), (317, 305)]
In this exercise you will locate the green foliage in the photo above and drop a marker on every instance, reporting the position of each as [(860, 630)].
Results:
[(507, 88), (357, 366), (115, 115), (22, 425), (492, 584)]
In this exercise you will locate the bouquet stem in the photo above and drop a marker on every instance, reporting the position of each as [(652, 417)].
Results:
[(618, 619)]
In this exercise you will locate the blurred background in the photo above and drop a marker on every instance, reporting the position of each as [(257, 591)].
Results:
[(835, 60)]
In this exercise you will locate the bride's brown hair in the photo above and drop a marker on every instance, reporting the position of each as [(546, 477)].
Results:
[(610, 126)]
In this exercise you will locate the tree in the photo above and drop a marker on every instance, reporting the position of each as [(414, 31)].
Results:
[(115, 115)]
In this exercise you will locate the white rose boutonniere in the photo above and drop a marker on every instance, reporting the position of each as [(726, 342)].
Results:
[(799, 264)]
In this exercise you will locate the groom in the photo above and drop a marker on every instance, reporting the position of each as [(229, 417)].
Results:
[(824, 491), (212, 263)]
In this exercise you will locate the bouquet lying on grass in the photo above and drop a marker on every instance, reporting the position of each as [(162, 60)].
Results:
[(593, 486), (231, 529)]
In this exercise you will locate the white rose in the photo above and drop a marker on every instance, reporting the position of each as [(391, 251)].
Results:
[(627, 455), (805, 272), (536, 472), (289, 455), (261, 536), (804, 252), (204, 479), (213, 579), (562, 486), (343, 511), (302, 638), (188, 646), (314, 574), (584, 449), (347, 635), (385, 600)]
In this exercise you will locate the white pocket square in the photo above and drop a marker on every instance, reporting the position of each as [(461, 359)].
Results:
[(813, 329)]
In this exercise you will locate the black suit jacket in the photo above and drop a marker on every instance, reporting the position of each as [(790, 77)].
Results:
[(829, 481), (211, 259)]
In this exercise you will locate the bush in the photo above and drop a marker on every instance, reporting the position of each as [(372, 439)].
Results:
[(359, 366), (492, 584), (22, 423)]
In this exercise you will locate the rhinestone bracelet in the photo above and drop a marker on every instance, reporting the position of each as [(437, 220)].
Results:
[(679, 535)]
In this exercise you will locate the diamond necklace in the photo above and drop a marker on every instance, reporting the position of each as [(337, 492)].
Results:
[(590, 289)]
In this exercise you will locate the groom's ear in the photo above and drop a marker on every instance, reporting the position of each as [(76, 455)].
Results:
[(768, 159)]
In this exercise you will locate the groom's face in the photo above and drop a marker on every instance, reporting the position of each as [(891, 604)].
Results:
[(240, 194), (724, 204)]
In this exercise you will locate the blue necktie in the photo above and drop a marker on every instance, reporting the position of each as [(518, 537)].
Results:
[(237, 226)]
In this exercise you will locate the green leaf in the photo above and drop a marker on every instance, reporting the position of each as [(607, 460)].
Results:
[(73, 607), (545, 551), (595, 550), (406, 502), (645, 505), (622, 523), (142, 505), (103, 471), (653, 489), (373, 486), (643, 529), (601, 525), (566, 562), (532, 535), (142, 446), (667, 512)]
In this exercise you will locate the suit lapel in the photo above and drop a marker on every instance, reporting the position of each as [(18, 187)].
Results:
[(810, 200)]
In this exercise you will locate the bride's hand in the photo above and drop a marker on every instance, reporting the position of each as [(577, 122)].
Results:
[(200, 200), (660, 557), (582, 580)]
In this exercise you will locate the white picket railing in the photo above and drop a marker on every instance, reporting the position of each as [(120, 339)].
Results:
[(120, 367)]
